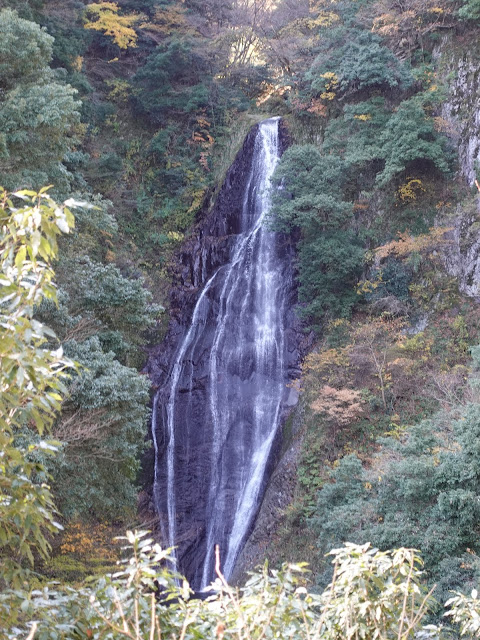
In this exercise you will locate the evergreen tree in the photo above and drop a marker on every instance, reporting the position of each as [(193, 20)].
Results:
[(38, 114), (309, 198), (409, 136), (102, 430)]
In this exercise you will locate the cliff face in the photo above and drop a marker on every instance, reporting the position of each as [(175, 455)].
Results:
[(460, 113), (207, 248), (459, 70), (210, 246), (462, 253)]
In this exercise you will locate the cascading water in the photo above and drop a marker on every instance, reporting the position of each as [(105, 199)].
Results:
[(225, 390)]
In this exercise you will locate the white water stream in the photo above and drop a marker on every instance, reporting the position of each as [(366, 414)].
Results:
[(245, 381)]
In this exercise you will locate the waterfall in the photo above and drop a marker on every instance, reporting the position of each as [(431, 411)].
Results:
[(225, 390)]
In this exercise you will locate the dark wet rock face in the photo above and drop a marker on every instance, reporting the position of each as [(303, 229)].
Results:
[(223, 370)]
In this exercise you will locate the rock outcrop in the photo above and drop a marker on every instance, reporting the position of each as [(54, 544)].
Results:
[(462, 250), (460, 120)]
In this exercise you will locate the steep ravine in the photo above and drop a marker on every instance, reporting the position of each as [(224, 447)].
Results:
[(216, 241)]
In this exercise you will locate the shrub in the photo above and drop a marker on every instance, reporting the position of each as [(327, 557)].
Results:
[(309, 198), (372, 594), (32, 376), (410, 136), (361, 63)]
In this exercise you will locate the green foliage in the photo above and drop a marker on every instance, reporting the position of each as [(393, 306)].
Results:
[(101, 316), (423, 491), (330, 256), (102, 428), (376, 143), (378, 139), (70, 43), (179, 91), (410, 136), (105, 170), (37, 113), (330, 267), (32, 375), (393, 279), (311, 183), (345, 499), (363, 62), (169, 68), (465, 612), (35, 126), (120, 305), (470, 10), (372, 594), (355, 136), (25, 51), (103, 422), (95, 229), (181, 106)]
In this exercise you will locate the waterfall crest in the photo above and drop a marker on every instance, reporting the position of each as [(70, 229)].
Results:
[(226, 387)]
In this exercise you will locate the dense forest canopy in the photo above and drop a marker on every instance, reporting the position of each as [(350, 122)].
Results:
[(133, 111)]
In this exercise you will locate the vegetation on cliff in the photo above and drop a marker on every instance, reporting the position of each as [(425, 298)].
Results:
[(389, 390), (133, 111), (125, 604)]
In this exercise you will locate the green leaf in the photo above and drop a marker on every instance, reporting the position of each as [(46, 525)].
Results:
[(20, 257)]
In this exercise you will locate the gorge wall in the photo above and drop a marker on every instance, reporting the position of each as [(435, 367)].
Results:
[(460, 114)]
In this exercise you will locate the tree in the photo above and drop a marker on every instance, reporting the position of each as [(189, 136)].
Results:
[(361, 63), (470, 10), (105, 18), (38, 114), (410, 136), (355, 137), (330, 267), (121, 307), (310, 195), (330, 255), (25, 51), (169, 77), (102, 433), (32, 376), (36, 127)]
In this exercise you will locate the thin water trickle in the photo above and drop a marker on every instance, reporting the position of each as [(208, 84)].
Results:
[(231, 367)]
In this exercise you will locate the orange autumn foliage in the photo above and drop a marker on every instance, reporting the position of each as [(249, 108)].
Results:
[(407, 244), (343, 406), (87, 539)]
